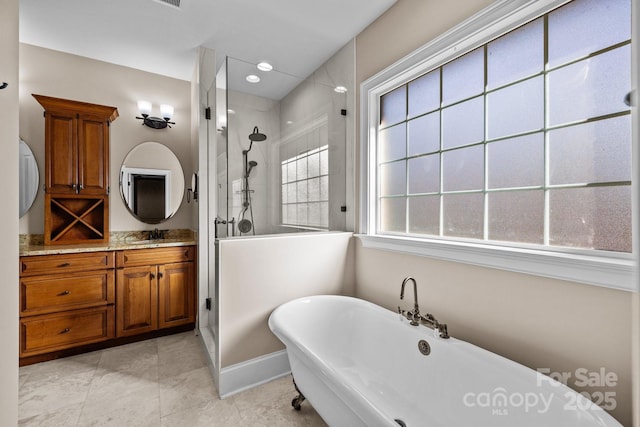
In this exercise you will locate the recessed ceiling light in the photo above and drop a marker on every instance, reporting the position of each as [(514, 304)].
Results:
[(340, 89), (230, 111), (289, 122), (252, 78), (264, 66)]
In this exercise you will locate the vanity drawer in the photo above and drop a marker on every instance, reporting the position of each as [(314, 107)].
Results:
[(51, 332), (50, 264), (141, 257), (47, 294)]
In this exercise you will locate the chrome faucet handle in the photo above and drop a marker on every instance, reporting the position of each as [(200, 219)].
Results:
[(442, 330), (414, 317), (430, 318)]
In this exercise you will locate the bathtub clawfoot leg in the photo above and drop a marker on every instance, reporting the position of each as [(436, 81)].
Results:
[(297, 401)]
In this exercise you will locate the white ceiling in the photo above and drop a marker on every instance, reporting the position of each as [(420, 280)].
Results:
[(296, 36)]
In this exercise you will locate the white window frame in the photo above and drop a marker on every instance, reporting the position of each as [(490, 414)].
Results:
[(600, 268)]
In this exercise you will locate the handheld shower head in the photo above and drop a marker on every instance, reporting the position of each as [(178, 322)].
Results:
[(252, 164)]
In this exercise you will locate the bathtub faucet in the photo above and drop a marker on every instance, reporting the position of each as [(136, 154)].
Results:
[(414, 315)]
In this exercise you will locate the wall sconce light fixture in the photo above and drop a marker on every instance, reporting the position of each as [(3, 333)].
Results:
[(166, 111)]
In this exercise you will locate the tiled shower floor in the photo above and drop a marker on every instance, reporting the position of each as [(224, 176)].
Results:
[(159, 382)]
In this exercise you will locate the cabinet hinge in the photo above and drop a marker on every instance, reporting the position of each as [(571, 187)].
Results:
[(208, 303)]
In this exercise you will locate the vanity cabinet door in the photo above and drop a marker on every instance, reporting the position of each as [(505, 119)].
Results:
[(155, 289), (61, 155), (136, 300), (93, 155), (176, 294)]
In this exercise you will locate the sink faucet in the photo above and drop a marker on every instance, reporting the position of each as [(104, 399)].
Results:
[(414, 315), (156, 234)]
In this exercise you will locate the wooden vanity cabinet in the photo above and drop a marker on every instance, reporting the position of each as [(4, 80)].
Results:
[(76, 170), (66, 301), (155, 289)]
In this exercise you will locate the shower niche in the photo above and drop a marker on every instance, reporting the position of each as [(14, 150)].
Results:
[(281, 152)]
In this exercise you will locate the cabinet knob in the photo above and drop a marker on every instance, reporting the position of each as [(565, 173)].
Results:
[(153, 276), (64, 264), (160, 275), (61, 294), (65, 331)]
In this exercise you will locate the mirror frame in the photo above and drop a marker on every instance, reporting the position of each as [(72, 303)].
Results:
[(28, 182)]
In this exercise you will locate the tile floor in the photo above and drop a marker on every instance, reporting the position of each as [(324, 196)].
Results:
[(159, 382)]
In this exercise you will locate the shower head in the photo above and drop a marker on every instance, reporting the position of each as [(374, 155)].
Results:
[(256, 136), (252, 164)]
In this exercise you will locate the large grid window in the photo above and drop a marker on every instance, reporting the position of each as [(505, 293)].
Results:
[(305, 189), (525, 140)]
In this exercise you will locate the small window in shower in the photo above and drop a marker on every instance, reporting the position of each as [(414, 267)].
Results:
[(305, 189)]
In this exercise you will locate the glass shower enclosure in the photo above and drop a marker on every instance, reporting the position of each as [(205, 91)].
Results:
[(281, 150)]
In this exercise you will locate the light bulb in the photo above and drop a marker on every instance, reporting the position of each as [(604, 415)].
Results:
[(166, 111), (264, 66), (144, 107)]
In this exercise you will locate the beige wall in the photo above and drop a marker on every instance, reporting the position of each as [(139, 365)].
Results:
[(9, 213), (258, 274), (61, 75), (542, 323)]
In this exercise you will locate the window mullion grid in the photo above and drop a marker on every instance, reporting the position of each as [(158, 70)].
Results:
[(485, 232), (545, 65), (441, 140), (406, 161)]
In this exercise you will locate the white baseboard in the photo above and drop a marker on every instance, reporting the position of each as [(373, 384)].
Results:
[(243, 376)]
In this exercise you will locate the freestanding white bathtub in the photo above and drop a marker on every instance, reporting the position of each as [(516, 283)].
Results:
[(359, 365)]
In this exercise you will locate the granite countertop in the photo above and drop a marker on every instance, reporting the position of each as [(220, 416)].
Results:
[(33, 244)]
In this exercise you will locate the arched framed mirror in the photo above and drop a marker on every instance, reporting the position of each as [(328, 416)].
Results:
[(151, 182), (29, 178)]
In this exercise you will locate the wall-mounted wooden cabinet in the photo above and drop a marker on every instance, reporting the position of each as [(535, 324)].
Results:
[(77, 153), (76, 170)]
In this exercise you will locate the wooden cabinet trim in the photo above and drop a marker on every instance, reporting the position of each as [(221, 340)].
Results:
[(70, 106)]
